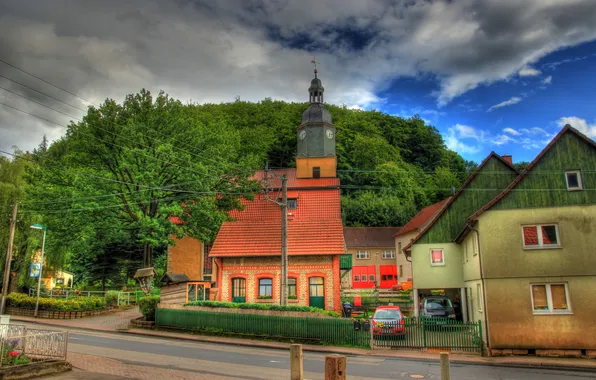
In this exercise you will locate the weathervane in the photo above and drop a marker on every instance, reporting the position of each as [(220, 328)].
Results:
[(314, 62)]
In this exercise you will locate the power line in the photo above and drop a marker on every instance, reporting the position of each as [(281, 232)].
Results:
[(30, 114), (36, 102), (44, 94), (43, 80)]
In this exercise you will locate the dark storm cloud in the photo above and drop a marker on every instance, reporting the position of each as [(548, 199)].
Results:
[(211, 51)]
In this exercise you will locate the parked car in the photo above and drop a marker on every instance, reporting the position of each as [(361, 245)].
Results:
[(388, 321), (437, 309)]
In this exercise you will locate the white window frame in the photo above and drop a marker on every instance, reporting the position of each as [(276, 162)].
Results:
[(549, 299), (479, 297), (476, 244), (441, 264), (363, 278), (360, 253), (391, 256), (579, 180), (356, 278), (372, 278), (540, 240)]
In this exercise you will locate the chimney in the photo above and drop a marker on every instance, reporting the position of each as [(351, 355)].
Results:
[(507, 157)]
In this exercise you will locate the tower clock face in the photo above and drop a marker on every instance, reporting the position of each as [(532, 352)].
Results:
[(302, 134), (329, 133)]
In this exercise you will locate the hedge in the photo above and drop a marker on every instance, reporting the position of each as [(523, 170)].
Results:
[(263, 306), (56, 304), (147, 306)]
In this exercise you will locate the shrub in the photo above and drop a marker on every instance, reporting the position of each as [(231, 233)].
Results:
[(147, 306), (112, 298), (56, 304), (265, 306)]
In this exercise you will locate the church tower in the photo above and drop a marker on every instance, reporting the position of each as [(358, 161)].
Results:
[(316, 137)]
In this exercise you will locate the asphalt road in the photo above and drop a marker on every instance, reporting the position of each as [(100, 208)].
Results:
[(224, 361)]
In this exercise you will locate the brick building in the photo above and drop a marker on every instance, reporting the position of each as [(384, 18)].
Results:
[(247, 251)]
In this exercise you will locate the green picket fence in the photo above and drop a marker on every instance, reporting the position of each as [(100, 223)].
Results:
[(330, 331), (439, 333)]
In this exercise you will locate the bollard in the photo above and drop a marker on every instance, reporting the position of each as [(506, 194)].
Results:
[(445, 371), (296, 368), (335, 367)]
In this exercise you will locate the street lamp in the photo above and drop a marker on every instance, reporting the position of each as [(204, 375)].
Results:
[(43, 245)]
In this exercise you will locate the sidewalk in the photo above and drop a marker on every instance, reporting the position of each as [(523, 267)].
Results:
[(112, 323)]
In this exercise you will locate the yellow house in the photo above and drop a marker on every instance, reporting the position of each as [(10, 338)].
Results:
[(528, 261)]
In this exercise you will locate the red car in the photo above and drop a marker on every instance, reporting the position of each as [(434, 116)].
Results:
[(388, 321)]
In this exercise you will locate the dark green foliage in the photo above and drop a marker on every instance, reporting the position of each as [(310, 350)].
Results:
[(262, 306), (545, 184), (147, 306), (492, 179)]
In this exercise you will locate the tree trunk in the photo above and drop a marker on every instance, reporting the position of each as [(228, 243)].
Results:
[(147, 250)]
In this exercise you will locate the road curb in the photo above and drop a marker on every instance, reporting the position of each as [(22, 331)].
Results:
[(330, 349)]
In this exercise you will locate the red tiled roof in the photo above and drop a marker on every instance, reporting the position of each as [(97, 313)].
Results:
[(567, 128), (450, 201), (314, 227), (362, 237), (293, 182), (422, 217)]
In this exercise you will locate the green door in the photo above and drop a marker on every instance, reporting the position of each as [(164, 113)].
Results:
[(238, 290), (316, 292)]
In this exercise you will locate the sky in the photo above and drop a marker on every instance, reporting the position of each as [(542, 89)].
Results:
[(490, 75)]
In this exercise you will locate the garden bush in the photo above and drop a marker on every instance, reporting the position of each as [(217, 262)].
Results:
[(56, 304), (264, 306), (147, 306), (112, 298)]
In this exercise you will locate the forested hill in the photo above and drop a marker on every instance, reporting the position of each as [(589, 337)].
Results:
[(107, 189), (389, 167)]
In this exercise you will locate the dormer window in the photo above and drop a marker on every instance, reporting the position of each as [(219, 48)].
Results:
[(292, 203), (574, 180)]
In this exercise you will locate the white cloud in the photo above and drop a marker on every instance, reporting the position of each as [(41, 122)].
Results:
[(214, 51), (548, 80), (511, 131), (503, 139), (580, 124), (454, 142), (513, 100), (528, 71), (535, 131)]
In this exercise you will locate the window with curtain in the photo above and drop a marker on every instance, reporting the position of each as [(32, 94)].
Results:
[(265, 288), (550, 298), (292, 295), (436, 257)]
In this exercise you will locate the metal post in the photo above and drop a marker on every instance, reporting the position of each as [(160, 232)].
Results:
[(416, 303), (118, 298), (296, 360), (445, 370), (13, 223), (43, 245), (284, 241)]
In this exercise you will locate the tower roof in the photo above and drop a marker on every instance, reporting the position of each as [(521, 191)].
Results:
[(316, 112)]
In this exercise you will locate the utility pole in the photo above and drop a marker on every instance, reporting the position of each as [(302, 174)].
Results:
[(284, 241), (283, 283), (13, 223)]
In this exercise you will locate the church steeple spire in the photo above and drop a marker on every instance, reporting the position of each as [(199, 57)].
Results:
[(316, 88)]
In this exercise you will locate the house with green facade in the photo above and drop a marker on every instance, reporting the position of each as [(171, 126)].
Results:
[(532, 272), (435, 255)]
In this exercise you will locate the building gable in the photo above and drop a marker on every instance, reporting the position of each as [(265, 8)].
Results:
[(543, 183), (493, 175)]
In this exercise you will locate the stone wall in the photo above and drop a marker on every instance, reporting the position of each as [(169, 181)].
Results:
[(300, 267)]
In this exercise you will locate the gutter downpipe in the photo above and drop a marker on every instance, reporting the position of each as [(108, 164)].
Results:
[(469, 225), (414, 290)]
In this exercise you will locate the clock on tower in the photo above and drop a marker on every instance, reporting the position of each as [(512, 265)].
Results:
[(316, 137)]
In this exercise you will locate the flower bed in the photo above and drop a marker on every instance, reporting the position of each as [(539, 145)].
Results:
[(266, 309)]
